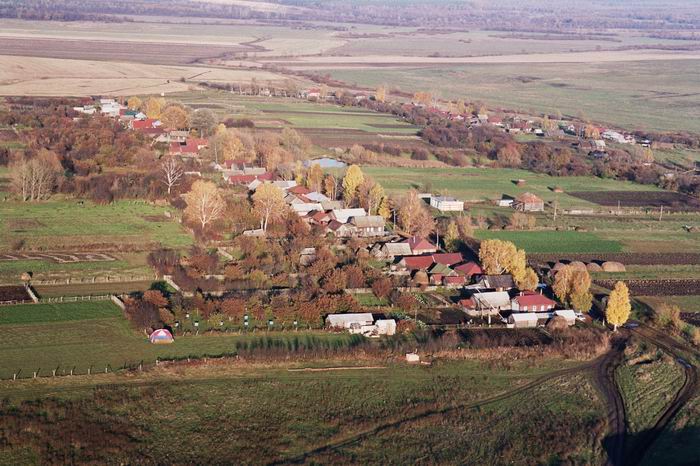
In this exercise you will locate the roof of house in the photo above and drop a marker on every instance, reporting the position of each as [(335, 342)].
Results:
[(528, 198), (142, 124), (241, 179), (568, 314), (319, 216), (469, 268), (188, 148), (398, 249), (299, 190), (533, 299), (368, 221), (498, 281), (305, 207), (335, 225), (441, 269), (316, 197), (492, 299), (448, 258), (343, 215), (417, 243), (523, 317), (454, 280), (418, 262)]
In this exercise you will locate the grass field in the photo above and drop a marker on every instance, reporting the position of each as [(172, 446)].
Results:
[(648, 382), (554, 241), (685, 303), (90, 289), (64, 224), (269, 413), (480, 184), (277, 113), (95, 334), (680, 442), (658, 95)]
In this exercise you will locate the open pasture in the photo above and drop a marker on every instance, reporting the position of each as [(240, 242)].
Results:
[(554, 241), (83, 226), (483, 184), (94, 334)]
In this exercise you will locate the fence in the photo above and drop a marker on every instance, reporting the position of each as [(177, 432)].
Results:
[(72, 299), (96, 279)]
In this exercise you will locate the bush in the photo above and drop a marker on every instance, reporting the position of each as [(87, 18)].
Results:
[(668, 316)]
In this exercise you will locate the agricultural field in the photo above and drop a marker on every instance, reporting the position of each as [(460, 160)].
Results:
[(554, 241), (647, 379), (483, 184), (652, 94), (277, 113), (95, 334), (290, 413), (67, 77)]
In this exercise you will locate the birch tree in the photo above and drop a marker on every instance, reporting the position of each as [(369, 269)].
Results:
[(268, 202), (204, 203), (172, 172)]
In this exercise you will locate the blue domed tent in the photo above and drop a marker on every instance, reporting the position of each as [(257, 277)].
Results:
[(161, 336)]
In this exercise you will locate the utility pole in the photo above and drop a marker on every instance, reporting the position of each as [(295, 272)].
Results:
[(661, 213)]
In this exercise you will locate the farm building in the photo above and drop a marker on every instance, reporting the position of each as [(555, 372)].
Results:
[(368, 226), (347, 321), (389, 251), (420, 246), (344, 215), (496, 282), (522, 320), (446, 204), (161, 336), (469, 269), (532, 302), (489, 303), (528, 202)]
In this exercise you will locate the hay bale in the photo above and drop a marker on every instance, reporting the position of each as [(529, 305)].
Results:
[(593, 267), (558, 189), (421, 278), (578, 265), (611, 266), (557, 267), (557, 323)]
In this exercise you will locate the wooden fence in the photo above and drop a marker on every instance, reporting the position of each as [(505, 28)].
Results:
[(96, 279)]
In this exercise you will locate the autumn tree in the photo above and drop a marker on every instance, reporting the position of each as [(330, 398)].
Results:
[(314, 178), (330, 186), (175, 117), (380, 94), (205, 203), (226, 145), (172, 172), (572, 286), (509, 156), (591, 132), (35, 179), (618, 309), (153, 106), (423, 98), (451, 237), (496, 256), (134, 103), (381, 288), (370, 196), (413, 216), (351, 182), (203, 120), (268, 202)]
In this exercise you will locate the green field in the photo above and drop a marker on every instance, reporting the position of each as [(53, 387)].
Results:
[(279, 112), (685, 303), (90, 289), (231, 413), (658, 95), (57, 224), (554, 241), (479, 184), (647, 382), (95, 334)]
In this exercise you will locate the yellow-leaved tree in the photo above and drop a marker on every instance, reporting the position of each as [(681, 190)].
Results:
[(134, 103), (351, 182), (498, 257), (618, 308)]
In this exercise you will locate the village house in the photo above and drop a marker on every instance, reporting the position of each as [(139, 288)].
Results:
[(469, 269), (389, 251), (420, 246), (486, 303), (437, 272), (528, 202), (535, 319), (446, 204), (362, 324), (344, 215), (368, 226), (532, 302), (190, 147), (495, 282)]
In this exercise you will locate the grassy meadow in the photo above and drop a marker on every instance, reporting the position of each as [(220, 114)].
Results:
[(234, 412), (95, 334)]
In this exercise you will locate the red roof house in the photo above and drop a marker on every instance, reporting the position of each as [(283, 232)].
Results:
[(532, 302), (448, 258), (420, 245), (468, 269), (143, 124), (417, 262)]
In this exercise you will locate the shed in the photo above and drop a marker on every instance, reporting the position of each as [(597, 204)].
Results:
[(567, 314), (348, 321), (522, 320), (161, 337), (528, 202), (386, 326)]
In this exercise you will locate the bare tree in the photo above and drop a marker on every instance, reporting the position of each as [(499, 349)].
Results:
[(172, 172), (35, 179), (204, 203)]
